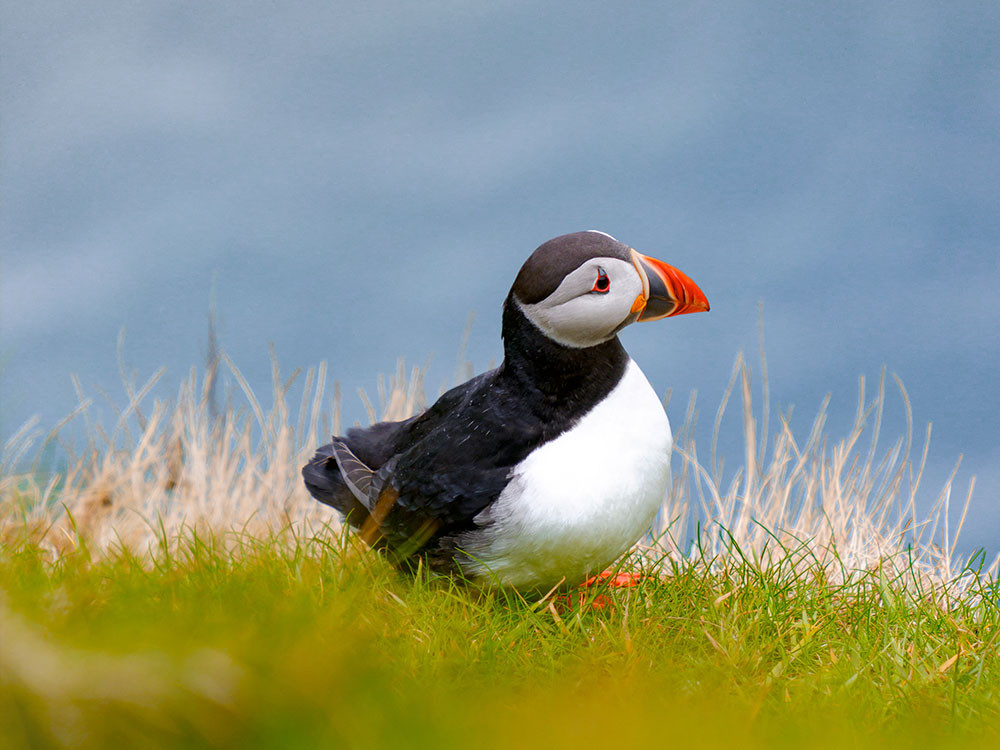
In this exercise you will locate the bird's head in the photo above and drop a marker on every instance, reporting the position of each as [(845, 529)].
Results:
[(581, 289)]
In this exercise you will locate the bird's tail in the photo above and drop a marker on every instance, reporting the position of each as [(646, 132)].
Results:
[(326, 483)]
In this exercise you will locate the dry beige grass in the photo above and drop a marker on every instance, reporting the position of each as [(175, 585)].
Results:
[(840, 506), (169, 467)]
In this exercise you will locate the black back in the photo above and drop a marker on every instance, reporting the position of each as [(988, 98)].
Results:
[(454, 460)]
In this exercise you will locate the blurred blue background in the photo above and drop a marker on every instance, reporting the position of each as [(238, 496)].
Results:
[(355, 177)]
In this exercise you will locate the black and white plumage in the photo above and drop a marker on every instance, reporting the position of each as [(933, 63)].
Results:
[(550, 466)]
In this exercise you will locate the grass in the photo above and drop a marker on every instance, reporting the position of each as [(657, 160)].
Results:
[(298, 642), (174, 586)]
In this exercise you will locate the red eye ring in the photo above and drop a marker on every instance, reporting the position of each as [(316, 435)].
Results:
[(603, 283)]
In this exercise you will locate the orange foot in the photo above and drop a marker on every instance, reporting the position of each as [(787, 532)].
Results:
[(615, 580), (601, 601)]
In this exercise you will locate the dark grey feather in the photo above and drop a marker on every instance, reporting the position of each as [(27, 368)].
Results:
[(355, 473)]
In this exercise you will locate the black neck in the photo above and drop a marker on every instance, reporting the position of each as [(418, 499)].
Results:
[(560, 377)]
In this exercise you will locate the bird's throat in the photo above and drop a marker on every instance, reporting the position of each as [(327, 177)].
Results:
[(556, 371)]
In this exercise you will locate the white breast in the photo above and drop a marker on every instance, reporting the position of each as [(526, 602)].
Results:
[(578, 502)]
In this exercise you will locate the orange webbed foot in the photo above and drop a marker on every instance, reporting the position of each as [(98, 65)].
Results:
[(615, 580), (600, 601)]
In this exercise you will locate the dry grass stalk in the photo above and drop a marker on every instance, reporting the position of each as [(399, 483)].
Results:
[(838, 505)]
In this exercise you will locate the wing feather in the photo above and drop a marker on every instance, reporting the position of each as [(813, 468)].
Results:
[(355, 473)]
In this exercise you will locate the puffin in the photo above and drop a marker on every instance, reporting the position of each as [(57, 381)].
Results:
[(540, 472)]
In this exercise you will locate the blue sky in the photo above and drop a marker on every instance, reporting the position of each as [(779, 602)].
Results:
[(356, 177)]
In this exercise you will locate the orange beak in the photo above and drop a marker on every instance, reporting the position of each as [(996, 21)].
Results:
[(665, 290)]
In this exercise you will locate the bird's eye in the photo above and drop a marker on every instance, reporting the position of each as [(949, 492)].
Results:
[(603, 283)]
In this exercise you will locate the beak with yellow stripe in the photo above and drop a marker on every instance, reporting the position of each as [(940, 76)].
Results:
[(666, 291)]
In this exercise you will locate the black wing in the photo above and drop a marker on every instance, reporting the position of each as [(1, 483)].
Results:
[(336, 474), (424, 480)]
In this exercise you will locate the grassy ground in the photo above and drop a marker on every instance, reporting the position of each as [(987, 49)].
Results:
[(147, 600), (295, 643)]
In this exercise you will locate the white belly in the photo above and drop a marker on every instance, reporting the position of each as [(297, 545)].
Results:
[(578, 502)]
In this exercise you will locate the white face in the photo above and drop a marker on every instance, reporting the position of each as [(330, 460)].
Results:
[(590, 305)]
